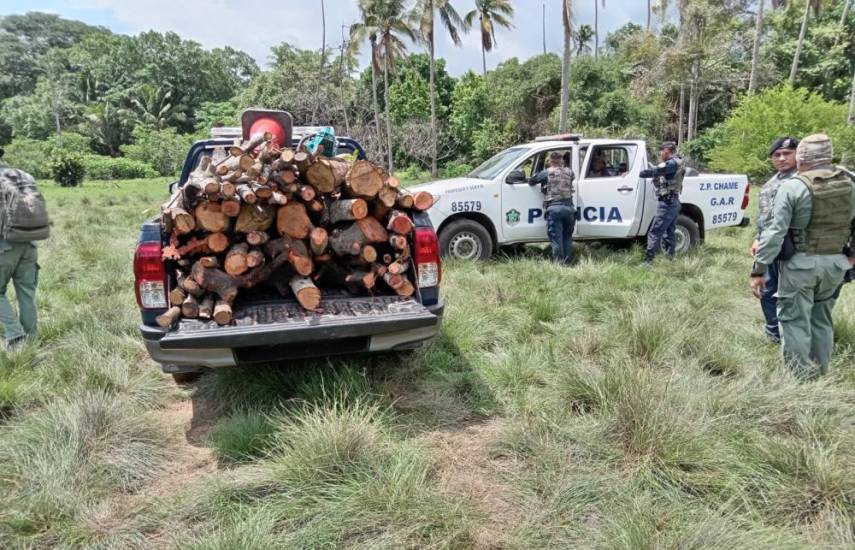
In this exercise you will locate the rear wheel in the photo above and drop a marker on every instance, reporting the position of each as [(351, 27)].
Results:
[(687, 234), (465, 240)]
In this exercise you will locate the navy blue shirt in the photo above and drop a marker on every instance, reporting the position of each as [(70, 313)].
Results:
[(667, 171)]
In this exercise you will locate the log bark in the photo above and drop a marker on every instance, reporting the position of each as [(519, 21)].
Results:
[(319, 240), (246, 193), (293, 251), (277, 198), (347, 210), (292, 220), (365, 279), (206, 308), (182, 222), (327, 175), (190, 307), (210, 217), (306, 292), (209, 261), (190, 286), (303, 160), (254, 218), (236, 263), (350, 240), (363, 180), (254, 258), (168, 318), (214, 280)]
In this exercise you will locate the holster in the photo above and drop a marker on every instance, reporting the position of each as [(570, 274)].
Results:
[(788, 248)]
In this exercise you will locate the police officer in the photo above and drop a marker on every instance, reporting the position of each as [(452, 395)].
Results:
[(815, 210), (557, 184), (23, 220), (783, 155), (668, 181)]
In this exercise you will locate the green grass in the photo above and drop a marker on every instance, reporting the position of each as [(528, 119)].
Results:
[(598, 406)]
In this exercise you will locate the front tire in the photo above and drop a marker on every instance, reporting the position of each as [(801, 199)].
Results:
[(687, 234), (465, 240)]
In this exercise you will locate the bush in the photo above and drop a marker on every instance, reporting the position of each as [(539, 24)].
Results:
[(455, 170), (164, 150), (109, 168), (781, 111), (33, 156), (67, 168)]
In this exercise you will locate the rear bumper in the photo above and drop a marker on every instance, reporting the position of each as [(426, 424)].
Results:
[(234, 346), (746, 221)]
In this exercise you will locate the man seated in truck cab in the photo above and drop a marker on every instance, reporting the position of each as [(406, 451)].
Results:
[(598, 168)]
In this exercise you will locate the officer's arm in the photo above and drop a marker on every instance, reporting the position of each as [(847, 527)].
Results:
[(775, 231), (539, 178), (666, 169)]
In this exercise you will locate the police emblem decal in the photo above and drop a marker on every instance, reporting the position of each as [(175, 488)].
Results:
[(512, 217)]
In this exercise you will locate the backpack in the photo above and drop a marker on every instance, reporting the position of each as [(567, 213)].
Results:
[(23, 212)]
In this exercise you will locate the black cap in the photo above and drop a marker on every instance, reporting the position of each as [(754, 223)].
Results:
[(784, 143), (668, 145)]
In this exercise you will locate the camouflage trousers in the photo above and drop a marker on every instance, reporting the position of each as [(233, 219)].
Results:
[(18, 264), (807, 287)]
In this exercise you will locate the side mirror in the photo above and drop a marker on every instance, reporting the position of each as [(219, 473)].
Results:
[(516, 176)]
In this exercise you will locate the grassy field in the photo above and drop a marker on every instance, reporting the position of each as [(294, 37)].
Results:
[(602, 405)]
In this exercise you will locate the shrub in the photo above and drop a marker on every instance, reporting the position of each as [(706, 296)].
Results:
[(164, 150), (781, 111), (455, 170), (67, 168), (33, 156), (109, 168)]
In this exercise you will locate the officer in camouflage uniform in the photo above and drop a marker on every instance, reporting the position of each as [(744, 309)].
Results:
[(23, 220), (557, 184), (816, 211), (668, 181), (783, 156)]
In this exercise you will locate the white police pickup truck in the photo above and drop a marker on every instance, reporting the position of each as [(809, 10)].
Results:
[(495, 206)]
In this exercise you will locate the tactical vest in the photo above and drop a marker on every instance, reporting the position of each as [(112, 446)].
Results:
[(25, 212), (559, 186), (673, 186), (829, 228)]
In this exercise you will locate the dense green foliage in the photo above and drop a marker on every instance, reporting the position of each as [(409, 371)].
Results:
[(741, 144), (146, 97), (67, 168)]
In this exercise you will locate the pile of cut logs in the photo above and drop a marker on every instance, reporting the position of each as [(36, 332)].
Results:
[(256, 213)]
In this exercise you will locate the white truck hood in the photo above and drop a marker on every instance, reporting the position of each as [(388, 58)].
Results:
[(439, 188)]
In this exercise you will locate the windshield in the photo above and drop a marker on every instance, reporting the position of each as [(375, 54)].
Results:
[(496, 164)]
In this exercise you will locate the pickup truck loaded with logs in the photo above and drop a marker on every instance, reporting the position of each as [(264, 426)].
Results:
[(283, 243)]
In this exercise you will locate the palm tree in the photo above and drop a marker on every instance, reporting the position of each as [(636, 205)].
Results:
[(367, 28), (649, 12), (815, 4), (583, 38), (490, 13), (597, 27), (424, 13), (755, 54), (567, 23)]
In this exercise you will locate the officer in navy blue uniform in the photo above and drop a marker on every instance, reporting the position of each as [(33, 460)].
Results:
[(668, 181)]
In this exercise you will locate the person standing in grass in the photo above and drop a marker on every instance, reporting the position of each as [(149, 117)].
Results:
[(816, 209), (23, 220), (783, 156), (668, 181), (557, 184)]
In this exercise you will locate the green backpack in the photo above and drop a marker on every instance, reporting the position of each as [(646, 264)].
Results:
[(23, 213)]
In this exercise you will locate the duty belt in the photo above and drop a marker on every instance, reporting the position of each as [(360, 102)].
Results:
[(565, 202)]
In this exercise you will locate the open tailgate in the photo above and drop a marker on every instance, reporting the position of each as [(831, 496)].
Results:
[(275, 322)]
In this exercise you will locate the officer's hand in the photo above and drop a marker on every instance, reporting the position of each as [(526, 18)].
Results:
[(758, 285), (852, 261), (753, 249)]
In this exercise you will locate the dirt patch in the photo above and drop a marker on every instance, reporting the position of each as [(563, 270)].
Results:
[(466, 469)]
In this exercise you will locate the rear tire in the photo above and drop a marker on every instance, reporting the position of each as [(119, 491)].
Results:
[(687, 234), (465, 240)]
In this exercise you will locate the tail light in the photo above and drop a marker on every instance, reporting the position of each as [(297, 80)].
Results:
[(428, 265), (746, 198), (278, 123), (149, 276)]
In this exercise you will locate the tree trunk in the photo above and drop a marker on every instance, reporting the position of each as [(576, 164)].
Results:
[(380, 139), (649, 13), (323, 59), (755, 54), (596, 28), (433, 130), (795, 68), (852, 102), (483, 59), (388, 115), (565, 83), (682, 109)]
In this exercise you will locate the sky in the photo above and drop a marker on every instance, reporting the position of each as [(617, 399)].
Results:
[(255, 25)]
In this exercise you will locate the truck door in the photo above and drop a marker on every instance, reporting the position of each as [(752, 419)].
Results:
[(522, 204), (609, 192)]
